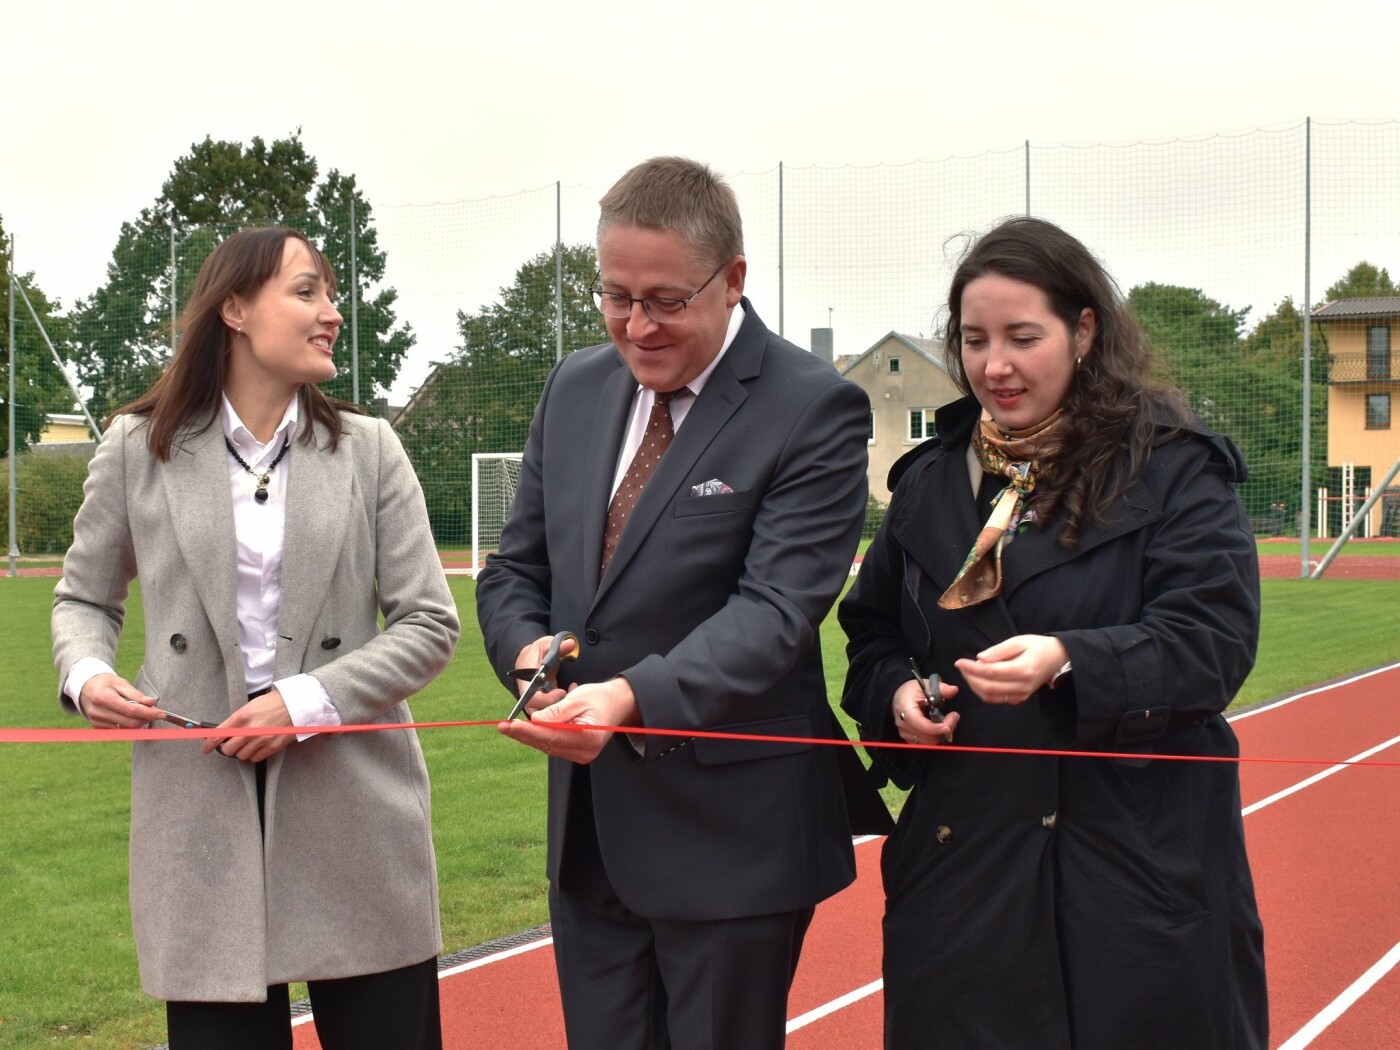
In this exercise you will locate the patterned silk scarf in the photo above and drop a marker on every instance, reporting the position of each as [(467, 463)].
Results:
[(1016, 454)]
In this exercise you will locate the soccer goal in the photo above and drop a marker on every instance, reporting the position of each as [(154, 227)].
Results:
[(494, 475)]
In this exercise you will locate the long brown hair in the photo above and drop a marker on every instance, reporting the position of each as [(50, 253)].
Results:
[(1116, 401), (187, 393)]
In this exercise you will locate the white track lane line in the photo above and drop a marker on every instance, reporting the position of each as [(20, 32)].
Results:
[(1343, 1002), (836, 1004), (1277, 795), (1311, 692)]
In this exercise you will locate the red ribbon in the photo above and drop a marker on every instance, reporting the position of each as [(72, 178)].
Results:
[(90, 736)]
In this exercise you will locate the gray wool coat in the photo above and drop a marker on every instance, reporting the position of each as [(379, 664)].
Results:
[(343, 882)]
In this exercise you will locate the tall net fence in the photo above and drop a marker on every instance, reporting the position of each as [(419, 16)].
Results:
[(1220, 243)]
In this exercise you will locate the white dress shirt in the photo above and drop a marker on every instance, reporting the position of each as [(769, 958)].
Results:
[(258, 533)]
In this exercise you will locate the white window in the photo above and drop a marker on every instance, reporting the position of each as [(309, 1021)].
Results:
[(920, 424), (894, 366)]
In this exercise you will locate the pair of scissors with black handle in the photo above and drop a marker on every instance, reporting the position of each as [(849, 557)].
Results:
[(548, 667)]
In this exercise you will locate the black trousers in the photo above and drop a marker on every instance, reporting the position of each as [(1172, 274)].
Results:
[(396, 1008), (632, 983)]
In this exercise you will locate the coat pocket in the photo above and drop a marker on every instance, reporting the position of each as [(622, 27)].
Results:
[(721, 503), (712, 752)]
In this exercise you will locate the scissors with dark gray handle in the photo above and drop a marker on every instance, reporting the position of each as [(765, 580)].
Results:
[(548, 667)]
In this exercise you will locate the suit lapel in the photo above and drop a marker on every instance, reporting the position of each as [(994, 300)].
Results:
[(201, 512), (320, 488), (724, 392)]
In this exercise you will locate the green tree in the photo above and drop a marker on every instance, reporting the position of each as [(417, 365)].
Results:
[(382, 346), (481, 400), (1362, 281), (1274, 350), (123, 328), (39, 386), (1236, 386)]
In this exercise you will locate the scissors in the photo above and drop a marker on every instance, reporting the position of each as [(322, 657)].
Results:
[(183, 722), (933, 698), (549, 666)]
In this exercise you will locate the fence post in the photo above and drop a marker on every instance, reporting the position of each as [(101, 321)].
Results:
[(1303, 528), (558, 274), (354, 310), (780, 247), (14, 535)]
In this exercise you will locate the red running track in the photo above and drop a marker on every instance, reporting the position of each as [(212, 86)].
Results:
[(1326, 859)]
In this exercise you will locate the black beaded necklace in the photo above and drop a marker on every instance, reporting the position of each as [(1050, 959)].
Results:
[(261, 492)]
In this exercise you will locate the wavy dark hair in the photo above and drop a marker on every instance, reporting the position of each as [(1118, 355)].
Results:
[(186, 396), (1118, 400)]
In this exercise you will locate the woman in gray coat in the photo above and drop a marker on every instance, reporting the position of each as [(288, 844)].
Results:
[(1069, 554), (270, 527)]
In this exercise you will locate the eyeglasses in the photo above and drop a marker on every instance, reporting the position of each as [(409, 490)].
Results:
[(661, 309)]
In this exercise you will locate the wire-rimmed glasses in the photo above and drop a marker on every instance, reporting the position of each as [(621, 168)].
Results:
[(660, 308)]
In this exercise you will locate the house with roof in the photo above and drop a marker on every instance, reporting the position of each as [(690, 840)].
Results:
[(1363, 382), (904, 377)]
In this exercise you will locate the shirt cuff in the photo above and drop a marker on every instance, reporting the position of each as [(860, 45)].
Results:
[(88, 667), (307, 702)]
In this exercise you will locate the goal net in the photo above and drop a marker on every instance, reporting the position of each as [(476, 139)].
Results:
[(494, 475)]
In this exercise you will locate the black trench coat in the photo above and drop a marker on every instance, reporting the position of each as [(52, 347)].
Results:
[(1040, 902)]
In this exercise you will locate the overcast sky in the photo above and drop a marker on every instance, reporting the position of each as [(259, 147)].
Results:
[(429, 102)]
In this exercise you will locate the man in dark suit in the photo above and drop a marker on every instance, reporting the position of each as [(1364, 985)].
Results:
[(684, 871)]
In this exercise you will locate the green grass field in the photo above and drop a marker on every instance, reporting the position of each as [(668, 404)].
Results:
[(69, 970)]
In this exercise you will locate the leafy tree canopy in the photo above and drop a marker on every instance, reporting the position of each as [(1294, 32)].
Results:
[(483, 398), (1363, 281), (1232, 384), (122, 331), (39, 386)]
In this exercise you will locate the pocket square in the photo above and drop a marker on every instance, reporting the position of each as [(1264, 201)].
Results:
[(713, 487)]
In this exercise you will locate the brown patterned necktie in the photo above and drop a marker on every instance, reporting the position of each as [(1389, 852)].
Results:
[(654, 444)]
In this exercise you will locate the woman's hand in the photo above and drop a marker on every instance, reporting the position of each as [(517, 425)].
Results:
[(109, 701), (914, 726), (1010, 671), (265, 710)]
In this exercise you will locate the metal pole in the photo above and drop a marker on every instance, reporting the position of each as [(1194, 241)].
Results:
[(1377, 491), (96, 430), (1304, 524), (14, 534), (558, 275), (780, 247), (1028, 176), (174, 274), (354, 309)]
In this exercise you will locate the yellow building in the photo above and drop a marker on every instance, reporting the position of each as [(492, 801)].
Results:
[(62, 429), (1363, 382), (904, 377)]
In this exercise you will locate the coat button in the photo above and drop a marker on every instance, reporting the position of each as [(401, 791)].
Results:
[(330, 641), (590, 636), (944, 833), (1048, 821), (178, 643)]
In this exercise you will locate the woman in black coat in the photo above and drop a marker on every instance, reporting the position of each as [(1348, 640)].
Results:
[(1105, 598)]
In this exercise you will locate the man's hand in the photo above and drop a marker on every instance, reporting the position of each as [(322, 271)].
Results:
[(533, 656), (609, 703)]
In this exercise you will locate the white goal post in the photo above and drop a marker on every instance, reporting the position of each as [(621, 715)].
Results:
[(494, 475)]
